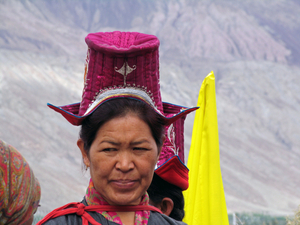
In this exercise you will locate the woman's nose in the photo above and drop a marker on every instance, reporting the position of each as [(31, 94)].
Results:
[(125, 161)]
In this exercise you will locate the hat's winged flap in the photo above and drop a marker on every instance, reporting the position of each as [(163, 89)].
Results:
[(70, 112), (174, 172)]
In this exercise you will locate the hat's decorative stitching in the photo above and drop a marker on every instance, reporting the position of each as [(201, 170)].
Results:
[(171, 136), (107, 92), (86, 69), (125, 70)]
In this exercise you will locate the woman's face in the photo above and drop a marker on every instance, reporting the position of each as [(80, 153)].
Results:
[(122, 159)]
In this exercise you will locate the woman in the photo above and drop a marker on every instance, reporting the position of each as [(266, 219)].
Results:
[(19, 190), (122, 131)]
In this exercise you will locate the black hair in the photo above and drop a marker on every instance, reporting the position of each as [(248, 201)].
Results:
[(160, 189), (119, 107)]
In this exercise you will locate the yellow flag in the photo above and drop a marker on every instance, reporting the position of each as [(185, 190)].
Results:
[(205, 199)]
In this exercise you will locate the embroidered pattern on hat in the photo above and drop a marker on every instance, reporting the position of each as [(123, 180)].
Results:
[(128, 91), (125, 70), (171, 137), (86, 66)]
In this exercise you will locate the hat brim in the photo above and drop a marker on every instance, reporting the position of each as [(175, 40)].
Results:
[(175, 172), (70, 112)]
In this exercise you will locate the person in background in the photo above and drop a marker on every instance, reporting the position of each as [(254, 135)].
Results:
[(122, 131), (171, 175), (20, 191), (166, 197)]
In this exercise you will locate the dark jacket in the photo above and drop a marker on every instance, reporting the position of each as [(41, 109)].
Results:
[(73, 219)]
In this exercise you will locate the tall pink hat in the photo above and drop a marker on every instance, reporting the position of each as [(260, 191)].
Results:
[(120, 65), (170, 165)]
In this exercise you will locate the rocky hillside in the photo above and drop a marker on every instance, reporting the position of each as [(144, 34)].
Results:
[(252, 47)]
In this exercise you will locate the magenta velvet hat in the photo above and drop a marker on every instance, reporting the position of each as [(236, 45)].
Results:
[(119, 65), (170, 166)]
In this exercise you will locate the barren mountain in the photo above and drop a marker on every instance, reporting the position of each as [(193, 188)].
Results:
[(252, 47)]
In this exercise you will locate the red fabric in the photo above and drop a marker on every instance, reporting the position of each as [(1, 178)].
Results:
[(81, 210), (93, 197), (122, 42), (69, 115), (109, 52), (116, 61), (20, 191), (170, 167), (76, 120), (174, 143), (174, 172)]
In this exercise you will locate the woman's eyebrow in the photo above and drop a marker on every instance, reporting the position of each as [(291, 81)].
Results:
[(110, 142), (131, 143), (139, 142)]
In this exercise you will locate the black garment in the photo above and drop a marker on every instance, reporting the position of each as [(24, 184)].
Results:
[(73, 219)]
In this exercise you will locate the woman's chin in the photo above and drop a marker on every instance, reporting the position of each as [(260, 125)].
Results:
[(124, 199)]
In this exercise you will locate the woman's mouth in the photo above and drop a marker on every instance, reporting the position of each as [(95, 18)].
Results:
[(124, 184)]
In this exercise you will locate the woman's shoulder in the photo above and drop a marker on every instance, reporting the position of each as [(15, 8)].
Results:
[(74, 219), (65, 219), (158, 218)]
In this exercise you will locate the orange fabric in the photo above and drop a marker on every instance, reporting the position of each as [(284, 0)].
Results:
[(19, 189)]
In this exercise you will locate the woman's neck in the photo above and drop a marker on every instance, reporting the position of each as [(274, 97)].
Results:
[(127, 218)]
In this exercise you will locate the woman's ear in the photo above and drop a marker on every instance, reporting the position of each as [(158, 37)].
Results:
[(84, 154), (166, 206)]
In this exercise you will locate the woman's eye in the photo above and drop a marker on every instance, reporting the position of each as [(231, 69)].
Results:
[(140, 149), (109, 149)]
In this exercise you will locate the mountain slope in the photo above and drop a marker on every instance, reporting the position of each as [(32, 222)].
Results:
[(254, 55)]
